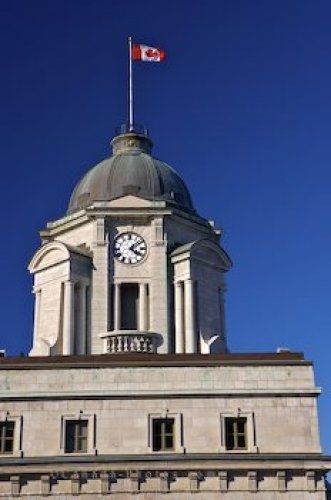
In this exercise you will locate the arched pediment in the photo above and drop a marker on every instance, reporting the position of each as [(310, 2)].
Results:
[(209, 250), (204, 250), (49, 255)]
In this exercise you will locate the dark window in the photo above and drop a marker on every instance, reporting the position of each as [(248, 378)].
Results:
[(7, 436), (235, 433), (163, 434), (76, 436), (129, 306)]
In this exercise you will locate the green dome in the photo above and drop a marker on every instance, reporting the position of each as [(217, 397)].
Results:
[(130, 170)]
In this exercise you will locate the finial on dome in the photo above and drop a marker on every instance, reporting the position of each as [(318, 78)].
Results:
[(129, 137)]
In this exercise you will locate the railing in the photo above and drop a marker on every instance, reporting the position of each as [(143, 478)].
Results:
[(131, 342), (125, 128)]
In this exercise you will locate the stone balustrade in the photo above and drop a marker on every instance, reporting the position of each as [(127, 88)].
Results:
[(128, 341)]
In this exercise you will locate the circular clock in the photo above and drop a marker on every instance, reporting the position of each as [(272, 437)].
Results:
[(130, 248)]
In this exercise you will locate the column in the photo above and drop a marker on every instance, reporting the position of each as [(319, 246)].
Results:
[(117, 307), (179, 319), (142, 307), (68, 318), (81, 320), (222, 316), (88, 320), (36, 316), (190, 337)]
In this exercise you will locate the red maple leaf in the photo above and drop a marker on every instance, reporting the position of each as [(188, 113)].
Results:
[(151, 53)]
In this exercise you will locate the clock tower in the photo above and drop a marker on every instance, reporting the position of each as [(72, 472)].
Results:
[(131, 267), (129, 377)]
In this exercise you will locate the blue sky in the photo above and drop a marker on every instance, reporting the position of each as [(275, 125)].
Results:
[(241, 108)]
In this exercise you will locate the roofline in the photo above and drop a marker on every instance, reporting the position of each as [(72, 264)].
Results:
[(124, 360)]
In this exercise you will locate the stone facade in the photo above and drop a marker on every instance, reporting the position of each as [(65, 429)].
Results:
[(119, 395), (129, 389)]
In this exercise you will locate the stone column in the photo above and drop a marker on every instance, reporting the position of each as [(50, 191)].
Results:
[(81, 320), (179, 318), (88, 320), (68, 318), (142, 306), (190, 337), (36, 316), (117, 307)]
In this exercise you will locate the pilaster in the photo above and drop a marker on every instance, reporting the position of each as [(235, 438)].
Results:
[(190, 333), (68, 318), (100, 285), (179, 317)]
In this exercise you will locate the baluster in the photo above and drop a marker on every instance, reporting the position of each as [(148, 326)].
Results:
[(112, 344), (127, 343)]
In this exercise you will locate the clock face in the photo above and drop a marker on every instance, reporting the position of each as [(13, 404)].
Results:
[(130, 248)]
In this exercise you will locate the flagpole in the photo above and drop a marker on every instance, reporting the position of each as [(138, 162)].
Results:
[(130, 86)]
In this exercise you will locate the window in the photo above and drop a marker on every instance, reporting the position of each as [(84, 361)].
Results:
[(163, 434), (76, 436), (78, 433), (129, 306), (7, 431), (236, 433)]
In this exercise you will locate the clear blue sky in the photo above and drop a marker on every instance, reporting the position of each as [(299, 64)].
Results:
[(241, 108)]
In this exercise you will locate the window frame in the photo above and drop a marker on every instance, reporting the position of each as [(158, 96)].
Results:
[(5, 439), (250, 432), (91, 433), (177, 418), (163, 433), (17, 438), (77, 441)]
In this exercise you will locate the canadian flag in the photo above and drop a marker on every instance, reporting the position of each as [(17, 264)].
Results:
[(146, 53)]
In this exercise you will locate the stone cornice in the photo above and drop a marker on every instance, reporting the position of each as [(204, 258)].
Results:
[(152, 360), (182, 461), (157, 394)]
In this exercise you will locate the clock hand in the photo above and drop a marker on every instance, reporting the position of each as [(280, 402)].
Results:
[(135, 244)]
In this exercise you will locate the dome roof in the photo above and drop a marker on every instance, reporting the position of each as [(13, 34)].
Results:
[(130, 170)]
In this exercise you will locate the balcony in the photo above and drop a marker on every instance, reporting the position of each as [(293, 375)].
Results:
[(124, 341)]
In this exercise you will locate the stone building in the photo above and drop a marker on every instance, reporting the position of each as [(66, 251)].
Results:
[(129, 389)]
